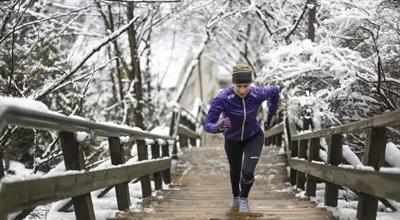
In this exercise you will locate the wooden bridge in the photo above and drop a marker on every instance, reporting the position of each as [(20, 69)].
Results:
[(200, 186), (201, 190)]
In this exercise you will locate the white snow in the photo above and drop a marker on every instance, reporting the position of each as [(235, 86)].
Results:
[(390, 170), (161, 141), (124, 139), (24, 103), (161, 130), (392, 154), (82, 136), (350, 156), (149, 141), (78, 117)]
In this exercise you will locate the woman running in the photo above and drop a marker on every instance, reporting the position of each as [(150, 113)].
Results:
[(244, 137)]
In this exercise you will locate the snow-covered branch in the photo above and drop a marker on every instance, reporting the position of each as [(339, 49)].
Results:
[(82, 62)]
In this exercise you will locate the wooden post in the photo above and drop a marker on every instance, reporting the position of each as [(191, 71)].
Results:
[(279, 140), (334, 159), (3, 210), (73, 159), (374, 155), (272, 138), (174, 150), (293, 153), (117, 157), (167, 172), (313, 154), (192, 126), (183, 141), (172, 133), (155, 152), (144, 180), (301, 177)]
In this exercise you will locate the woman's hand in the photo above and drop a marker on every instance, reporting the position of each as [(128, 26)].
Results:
[(271, 120), (225, 124)]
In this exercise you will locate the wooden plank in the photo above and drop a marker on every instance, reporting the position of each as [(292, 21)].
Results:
[(279, 140), (30, 193), (117, 158), (175, 150), (183, 141), (28, 118), (334, 159), (186, 131), (173, 133), (73, 159), (374, 155), (384, 120), (144, 180), (3, 210), (313, 154), (293, 153), (155, 152), (358, 180), (192, 127), (302, 153), (277, 129), (167, 172)]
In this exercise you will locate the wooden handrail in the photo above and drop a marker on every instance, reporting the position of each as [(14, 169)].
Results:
[(184, 130), (351, 178), (51, 121), (30, 193), (27, 194), (277, 129), (384, 120), (303, 149)]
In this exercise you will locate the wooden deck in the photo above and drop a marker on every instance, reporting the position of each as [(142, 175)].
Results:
[(201, 190)]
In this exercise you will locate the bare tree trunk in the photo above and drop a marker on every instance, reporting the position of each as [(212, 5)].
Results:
[(1, 163), (135, 74), (311, 21), (147, 74), (200, 81), (109, 24), (118, 54)]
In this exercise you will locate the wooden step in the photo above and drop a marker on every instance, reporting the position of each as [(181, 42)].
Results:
[(201, 190)]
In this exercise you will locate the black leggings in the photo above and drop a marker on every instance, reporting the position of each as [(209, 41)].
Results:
[(251, 149)]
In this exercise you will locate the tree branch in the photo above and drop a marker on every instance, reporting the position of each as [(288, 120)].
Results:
[(94, 50), (297, 22)]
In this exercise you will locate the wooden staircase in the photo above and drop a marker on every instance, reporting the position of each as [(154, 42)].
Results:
[(201, 190)]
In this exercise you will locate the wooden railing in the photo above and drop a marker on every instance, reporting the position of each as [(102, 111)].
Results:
[(306, 167), (77, 183), (185, 129)]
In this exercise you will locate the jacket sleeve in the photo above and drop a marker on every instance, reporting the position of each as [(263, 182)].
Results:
[(216, 108), (271, 94)]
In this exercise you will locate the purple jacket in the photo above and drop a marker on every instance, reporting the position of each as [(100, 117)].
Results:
[(244, 126)]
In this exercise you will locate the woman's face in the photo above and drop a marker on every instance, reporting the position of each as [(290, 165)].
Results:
[(242, 89)]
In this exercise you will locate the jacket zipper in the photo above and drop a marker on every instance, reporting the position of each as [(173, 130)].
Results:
[(244, 118)]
